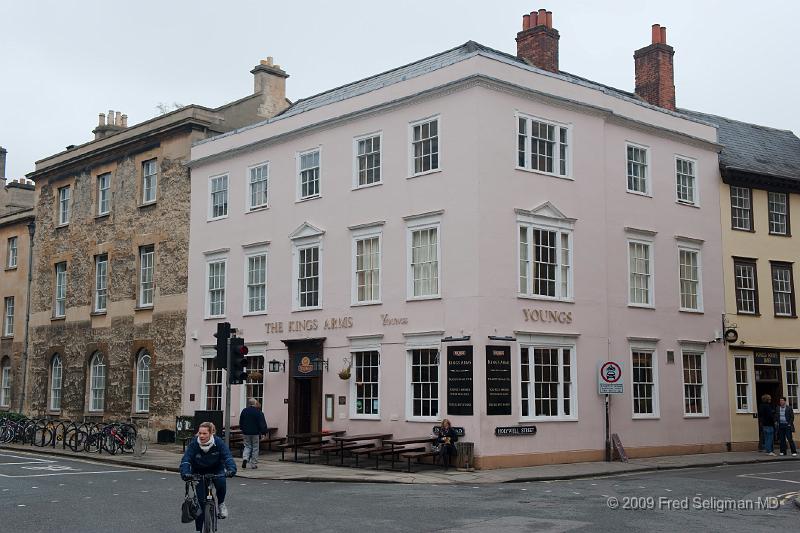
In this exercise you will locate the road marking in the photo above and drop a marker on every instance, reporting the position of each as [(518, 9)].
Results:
[(767, 476), (68, 473)]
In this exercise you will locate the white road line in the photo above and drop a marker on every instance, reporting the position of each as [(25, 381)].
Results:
[(772, 479), (68, 473), (26, 463)]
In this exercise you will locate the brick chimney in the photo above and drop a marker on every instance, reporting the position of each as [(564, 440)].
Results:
[(537, 43), (655, 79), (115, 122), (3, 153), (270, 81)]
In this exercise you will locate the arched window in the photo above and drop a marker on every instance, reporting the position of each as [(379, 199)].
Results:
[(55, 383), (5, 383), (143, 382), (97, 380)]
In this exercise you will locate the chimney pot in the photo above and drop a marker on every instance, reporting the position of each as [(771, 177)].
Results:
[(549, 19), (118, 118), (534, 19), (656, 33), (101, 120), (110, 119), (124, 121), (664, 34), (655, 74), (538, 44), (542, 17), (526, 22)]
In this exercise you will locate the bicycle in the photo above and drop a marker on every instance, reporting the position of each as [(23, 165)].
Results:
[(209, 505)]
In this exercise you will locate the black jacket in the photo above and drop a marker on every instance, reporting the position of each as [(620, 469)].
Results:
[(252, 421), (447, 432), (789, 415), (766, 415), (216, 461)]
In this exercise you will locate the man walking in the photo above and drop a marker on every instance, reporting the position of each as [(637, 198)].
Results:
[(253, 425), (786, 426), (766, 418)]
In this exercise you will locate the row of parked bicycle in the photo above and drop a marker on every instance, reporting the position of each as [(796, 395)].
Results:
[(100, 437)]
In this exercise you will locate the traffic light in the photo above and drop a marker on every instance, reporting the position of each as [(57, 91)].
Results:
[(238, 374), (222, 335)]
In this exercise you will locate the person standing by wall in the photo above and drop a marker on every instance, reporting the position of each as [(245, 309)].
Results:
[(785, 426), (253, 425), (766, 419)]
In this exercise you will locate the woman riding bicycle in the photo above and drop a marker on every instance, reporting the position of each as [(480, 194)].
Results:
[(208, 454)]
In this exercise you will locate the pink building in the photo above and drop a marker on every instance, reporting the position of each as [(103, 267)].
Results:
[(475, 233)]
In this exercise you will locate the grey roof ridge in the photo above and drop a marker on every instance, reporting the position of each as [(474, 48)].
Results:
[(472, 48), (737, 121)]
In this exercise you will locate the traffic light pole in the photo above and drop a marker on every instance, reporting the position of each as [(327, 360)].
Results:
[(228, 396)]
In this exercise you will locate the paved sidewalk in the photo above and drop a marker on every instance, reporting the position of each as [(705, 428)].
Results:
[(167, 457)]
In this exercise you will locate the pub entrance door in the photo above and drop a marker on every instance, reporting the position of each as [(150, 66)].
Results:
[(305, 385), (768, 381)]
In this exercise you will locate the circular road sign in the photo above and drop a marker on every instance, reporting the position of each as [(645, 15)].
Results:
[(610, 372)]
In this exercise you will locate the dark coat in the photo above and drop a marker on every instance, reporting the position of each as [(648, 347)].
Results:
[(766, 415), (447, 432), (789, 416), (216, 461), (252, 421)]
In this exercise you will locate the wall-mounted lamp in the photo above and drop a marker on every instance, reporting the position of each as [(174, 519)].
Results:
[(508, 338), (319, 364), (456, 339), (277, 366)]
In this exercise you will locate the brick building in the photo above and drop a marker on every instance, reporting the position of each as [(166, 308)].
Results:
[(108, 308)]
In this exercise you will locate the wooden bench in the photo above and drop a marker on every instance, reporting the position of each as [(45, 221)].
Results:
[(337, 448), (238, 439), (419, 455), (392, 452), (367, 451), (292, 445)]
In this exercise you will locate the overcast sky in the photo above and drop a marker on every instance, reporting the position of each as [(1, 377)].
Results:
[(62, 62)]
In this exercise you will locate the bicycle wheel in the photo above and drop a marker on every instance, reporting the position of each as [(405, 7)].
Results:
[(210, 520)]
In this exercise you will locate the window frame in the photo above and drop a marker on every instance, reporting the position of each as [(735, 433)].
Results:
[(650, 349), (12, 252), (63, 211), (363, 235), (251, 254), (98, 290), (154, 184), (215, 260), (208, 360), (695, 187), (696, 350), (52, 382), (409, 385), (648, 181), (211, 193), (548, 344), (750, 209), (749, 376), (5, 383), (140, 357), (787, 266), (147, 249), (787, 222), (744, 261), (422, 223), (685, 246), (356, 168), (650, 244), (795, 405), (561, 230), (411, 158), (249, 207), (353, 384), (56, 285), (299, 177), (97, 395), (9, 304), (296, 253), (527, 167), (103, 194)]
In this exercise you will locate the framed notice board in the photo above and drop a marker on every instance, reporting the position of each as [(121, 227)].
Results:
[(459, 380), (498, 380)]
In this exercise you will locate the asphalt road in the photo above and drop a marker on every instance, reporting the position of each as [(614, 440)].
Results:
[(40, 493)]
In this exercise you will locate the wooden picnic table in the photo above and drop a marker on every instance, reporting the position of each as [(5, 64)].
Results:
[(407, 440), (295, 437), (356, 438)]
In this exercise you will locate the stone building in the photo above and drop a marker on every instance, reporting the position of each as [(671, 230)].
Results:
[(108, 307), (16, 220)]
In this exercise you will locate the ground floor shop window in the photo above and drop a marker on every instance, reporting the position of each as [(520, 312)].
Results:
[(694, 385), (212, 377), (5, 383), (645, 398), (791, 384), (424, 386), (254, 386), (742, 384), (547, 389), (366, 366)]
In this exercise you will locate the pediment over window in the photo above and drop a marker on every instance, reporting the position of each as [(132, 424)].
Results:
[(306, 230), (544, 213)]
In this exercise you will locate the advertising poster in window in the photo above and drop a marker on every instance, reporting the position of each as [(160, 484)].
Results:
[(459, 380), (498, 380)]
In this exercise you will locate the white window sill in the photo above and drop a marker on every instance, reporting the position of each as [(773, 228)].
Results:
[(255, 313), (213, 317), (308, 199), (145, 307), (363, 304), (545, 298), (423, 298), (302, 309), (641, 306), (646, 417), (365, 417), (548, 174), (64, 225), (7, 336), (216, 218), (691, 311), (745, 412), (367, 185), (696, 416), (427, 419), (426, 173), (638, 193), (257, 208), (147, 204), (688, 204), (548, 419)]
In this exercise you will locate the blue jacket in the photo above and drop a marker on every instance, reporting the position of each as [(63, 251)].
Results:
[(216, 461), (252, 421)]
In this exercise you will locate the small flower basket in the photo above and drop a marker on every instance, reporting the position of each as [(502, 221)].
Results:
[(255, 376), (345, 372)]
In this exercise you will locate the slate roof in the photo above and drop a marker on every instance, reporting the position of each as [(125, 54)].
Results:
[(753, 148)]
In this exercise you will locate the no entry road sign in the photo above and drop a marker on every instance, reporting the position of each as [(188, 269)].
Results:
[(609, 379)]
